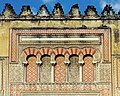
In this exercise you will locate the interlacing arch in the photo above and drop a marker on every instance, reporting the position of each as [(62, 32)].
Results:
[(31, 74), (88, 50), (59, 50), (88, 66), (29, 51), (43, 51), (73, 51), (57, 59)]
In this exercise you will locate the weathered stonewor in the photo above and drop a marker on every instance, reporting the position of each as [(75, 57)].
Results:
[(78, 88), (55, 44), (90, 12)]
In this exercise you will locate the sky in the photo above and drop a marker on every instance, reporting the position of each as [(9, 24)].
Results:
[(66, 5)]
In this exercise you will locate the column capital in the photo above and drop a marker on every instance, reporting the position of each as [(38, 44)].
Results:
[(39, 62), (25, 63), (81, 63), (94, 62), (52, 62), (67, 62)]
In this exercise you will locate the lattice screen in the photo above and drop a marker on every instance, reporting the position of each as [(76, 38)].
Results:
[(32, 70), (60, 70), (88, 70), (73, 72), (45, 70)]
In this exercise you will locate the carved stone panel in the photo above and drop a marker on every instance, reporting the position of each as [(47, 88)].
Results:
[(105, 73), (45, 70), (16, 73), (73, 69)]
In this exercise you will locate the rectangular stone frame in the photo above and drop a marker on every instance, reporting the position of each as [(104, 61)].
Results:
[(90, 93), (16, 32)]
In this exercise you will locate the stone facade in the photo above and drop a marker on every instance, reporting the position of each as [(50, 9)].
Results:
[(59, 54)]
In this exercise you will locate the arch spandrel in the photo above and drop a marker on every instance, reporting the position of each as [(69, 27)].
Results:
[(92, 51), (27, 51), (63, 51)]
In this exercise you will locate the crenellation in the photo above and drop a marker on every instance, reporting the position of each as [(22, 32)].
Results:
[(119, 12), (8, 11), (74, 11), (108, 11), (58, 13), (91, 11), (26, 11), (43, 12)]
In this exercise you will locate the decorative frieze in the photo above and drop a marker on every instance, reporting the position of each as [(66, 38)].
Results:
[(85, 89)]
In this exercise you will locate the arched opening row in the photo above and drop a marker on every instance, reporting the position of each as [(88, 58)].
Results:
[(60, 70)]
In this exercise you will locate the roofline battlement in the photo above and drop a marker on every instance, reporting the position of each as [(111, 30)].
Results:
[(58, 13)]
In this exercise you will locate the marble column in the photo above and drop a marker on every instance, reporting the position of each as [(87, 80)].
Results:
[(52, 70)]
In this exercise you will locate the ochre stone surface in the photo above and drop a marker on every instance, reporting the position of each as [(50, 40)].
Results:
[(106, 72)]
